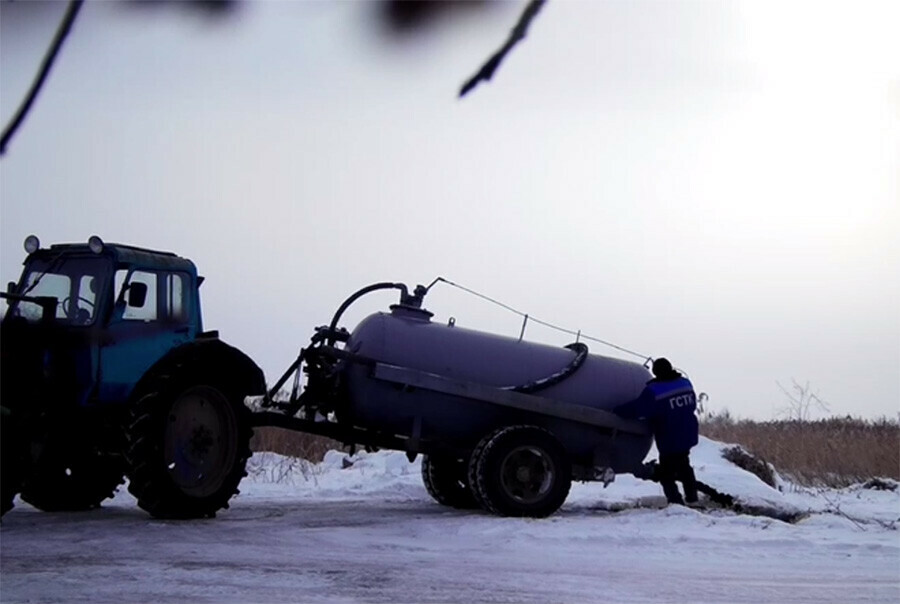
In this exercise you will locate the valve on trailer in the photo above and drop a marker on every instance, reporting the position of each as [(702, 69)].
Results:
[(324, 332), (414, 300)]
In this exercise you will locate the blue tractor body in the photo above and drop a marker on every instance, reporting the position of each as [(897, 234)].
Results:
[(105, 367)]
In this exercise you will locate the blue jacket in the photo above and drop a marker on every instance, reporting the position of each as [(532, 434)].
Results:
[(670, 406)]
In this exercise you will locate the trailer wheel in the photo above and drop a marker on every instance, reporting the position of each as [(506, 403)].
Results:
[(520, 471), (189, 441), (445, 479)]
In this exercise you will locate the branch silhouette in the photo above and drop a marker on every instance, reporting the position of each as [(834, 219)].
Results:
[(515, 36), (61, 32)]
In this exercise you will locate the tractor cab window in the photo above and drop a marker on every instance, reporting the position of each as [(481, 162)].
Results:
[(74, 283), (88, 288), (176, 304), (54, 286), (165, 299), (135, 309)]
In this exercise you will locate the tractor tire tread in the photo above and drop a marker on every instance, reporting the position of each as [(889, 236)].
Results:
[(148, 477)]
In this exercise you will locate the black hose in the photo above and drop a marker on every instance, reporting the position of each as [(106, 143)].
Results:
[(366, 290), (581, 353)]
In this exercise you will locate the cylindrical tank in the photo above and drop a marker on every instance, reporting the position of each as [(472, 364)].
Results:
[(407, 337)]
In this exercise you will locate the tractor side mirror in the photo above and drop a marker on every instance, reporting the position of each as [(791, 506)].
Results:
[(137, 295)]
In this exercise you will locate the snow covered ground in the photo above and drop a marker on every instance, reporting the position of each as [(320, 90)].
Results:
[(370, 533)]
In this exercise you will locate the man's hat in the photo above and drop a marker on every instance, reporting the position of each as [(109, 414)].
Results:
[(662, 367)]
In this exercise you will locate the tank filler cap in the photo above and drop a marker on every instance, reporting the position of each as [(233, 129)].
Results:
[(411, 312)]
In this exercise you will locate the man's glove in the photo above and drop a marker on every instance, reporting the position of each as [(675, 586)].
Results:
[(648, 471)]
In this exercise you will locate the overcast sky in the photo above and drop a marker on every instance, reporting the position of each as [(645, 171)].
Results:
[(712, 182)]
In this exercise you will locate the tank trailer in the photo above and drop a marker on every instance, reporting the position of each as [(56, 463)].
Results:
[(108, 372)]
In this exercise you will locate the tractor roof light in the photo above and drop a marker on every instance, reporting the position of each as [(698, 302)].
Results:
[(96, 244), (32, 244)]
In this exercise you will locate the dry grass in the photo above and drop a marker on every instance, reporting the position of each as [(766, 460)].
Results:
[(835, 452), (293, 444)]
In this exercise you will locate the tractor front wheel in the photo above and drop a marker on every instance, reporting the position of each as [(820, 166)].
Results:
[(70, 470)]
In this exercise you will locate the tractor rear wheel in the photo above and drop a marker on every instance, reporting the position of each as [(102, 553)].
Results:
[(189, 441), (520, 471), (445, 480)]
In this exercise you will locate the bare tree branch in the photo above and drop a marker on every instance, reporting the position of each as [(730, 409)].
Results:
[(516, 35), (60, 37), (837, 509), (800, 403)]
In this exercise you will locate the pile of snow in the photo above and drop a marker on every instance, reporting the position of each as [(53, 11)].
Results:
[(386, 474), (390, 476), (711, 468)]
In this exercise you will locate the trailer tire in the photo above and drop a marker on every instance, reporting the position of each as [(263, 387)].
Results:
[(189, 438), (446, 481), (520, 471)]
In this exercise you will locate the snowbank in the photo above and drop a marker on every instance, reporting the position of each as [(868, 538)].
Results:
[(389, 475)]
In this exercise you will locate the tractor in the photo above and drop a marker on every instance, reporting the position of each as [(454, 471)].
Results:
[(107, 372)]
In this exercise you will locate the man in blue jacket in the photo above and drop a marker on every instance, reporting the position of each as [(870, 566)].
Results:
[(668, 402)]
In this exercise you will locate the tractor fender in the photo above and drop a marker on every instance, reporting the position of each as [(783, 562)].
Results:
[(241, 370)]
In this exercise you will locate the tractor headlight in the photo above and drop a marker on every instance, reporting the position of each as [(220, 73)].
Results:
[(32, 244), (96, 244)]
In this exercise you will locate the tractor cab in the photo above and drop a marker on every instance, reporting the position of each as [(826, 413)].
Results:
[(86, 321)]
